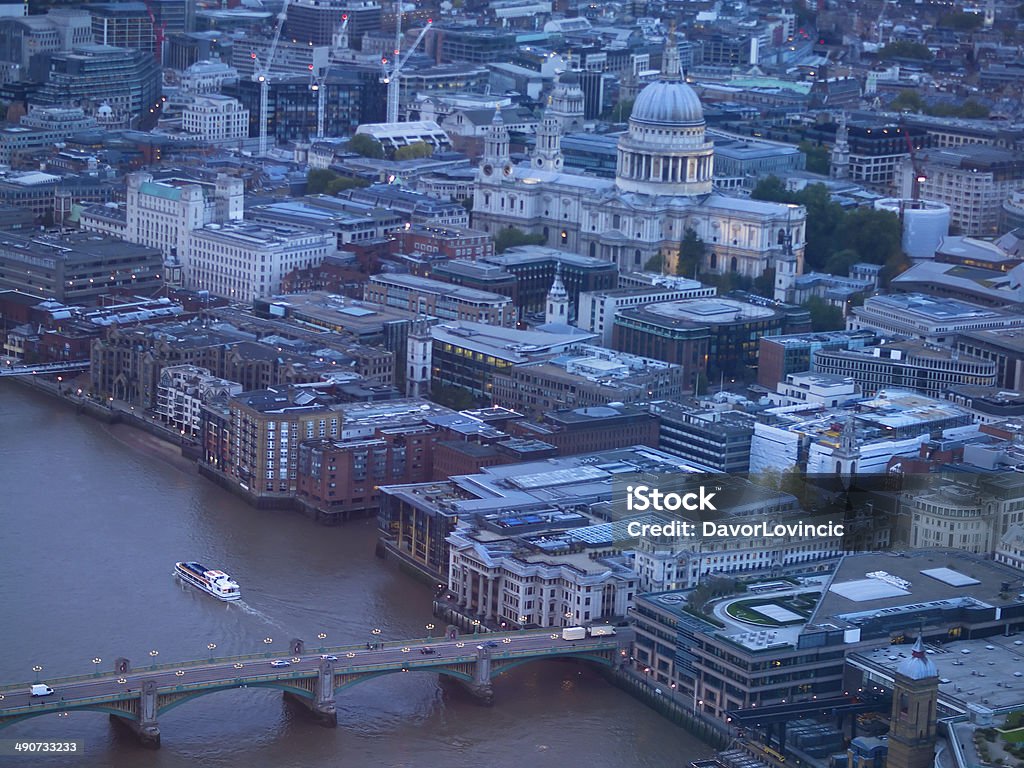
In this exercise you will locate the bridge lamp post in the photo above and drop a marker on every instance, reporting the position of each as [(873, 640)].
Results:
[(321, 637), (97, 661), (522, 622), (476, 625), (37, 669), (267, 641), (211, 647), (153, 655), (376, 636), (430, 631)]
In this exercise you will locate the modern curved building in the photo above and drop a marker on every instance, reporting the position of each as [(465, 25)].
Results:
[(663, 186), (925, 223)]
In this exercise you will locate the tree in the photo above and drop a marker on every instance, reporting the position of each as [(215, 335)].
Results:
[(414, 151), (655, 264), (511, 237), (908, 100), (824, 316), (875, 235), (905, 49), (764, 284), (452, 396), (772, 189), (691, 253), (818, 160), (839, 263), (364, 144), (321, 181)]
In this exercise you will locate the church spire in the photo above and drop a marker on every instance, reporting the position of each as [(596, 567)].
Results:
[(558, 300)]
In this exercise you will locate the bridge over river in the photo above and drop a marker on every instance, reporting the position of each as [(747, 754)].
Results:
[(136, 697)]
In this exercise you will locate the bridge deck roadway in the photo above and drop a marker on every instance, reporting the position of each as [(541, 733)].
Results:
[(92, 690)]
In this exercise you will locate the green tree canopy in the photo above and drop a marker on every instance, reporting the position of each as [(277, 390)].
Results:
[(818, 160), (414, 151), (511, 237), (824, 316), (452, 396), (365, 145), (867, 234), (322, 181), (691, 253), (905, 49), (655, 264), (908, 100)]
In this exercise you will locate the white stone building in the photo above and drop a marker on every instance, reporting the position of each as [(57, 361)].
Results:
[(502, 581), (242, 262), (214, 117)]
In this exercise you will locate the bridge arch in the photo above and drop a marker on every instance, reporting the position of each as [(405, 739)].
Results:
[(100, 708), (183, 697), (499, 666), (446, 671)]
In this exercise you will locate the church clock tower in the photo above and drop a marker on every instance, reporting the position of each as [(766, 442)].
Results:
[(912, 731)]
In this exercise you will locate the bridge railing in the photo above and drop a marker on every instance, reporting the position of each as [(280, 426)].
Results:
[(474, 639)]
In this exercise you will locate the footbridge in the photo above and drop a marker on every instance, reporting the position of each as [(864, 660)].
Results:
[(9, 369), (137, 698)]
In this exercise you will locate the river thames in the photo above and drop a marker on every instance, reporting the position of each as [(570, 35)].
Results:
[(94, 518)]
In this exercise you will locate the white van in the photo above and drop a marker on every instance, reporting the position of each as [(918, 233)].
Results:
[(41, 690)]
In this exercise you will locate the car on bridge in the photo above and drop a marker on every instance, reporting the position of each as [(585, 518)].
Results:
[(280, 663), (328, 657), (427, 650)]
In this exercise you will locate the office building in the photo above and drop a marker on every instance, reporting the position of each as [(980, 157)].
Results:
[(77, 267), (709, 337), (779, 356), (973, 180), (583, 377), (1003, 347), (101, 79), (216, 118), (597, 309), (929, 319), (416, 520), (242, 261), (471, 355), (857, 438), (442, 300), (710, 437)]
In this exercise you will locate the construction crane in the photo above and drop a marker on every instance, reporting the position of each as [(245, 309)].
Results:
[(261, 75), (158, 33), (319, 84), (391, 76), (919, 177)]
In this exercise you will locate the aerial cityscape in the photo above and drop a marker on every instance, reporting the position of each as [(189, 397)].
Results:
[(512, 382)]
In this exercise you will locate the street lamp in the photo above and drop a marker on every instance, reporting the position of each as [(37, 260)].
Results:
[(522, 622), (476, 625), (376, 636), (97, 661), (153, 655), (211, 647), (321, 637), (430, 630), (37, 669)]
